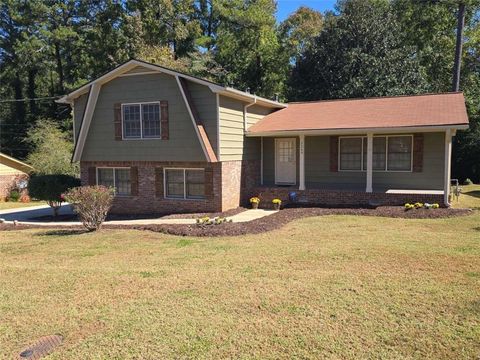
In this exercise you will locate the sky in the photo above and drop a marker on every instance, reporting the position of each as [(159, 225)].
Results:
[(286, 7)]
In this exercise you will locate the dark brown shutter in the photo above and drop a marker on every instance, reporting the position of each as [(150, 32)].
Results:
[(164, 119), (208, 182), (417, 152), (134, 181), (92, 176), (117, 120), (333, 153), (159, 182)]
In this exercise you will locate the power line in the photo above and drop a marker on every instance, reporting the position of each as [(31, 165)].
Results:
[(31, 99)]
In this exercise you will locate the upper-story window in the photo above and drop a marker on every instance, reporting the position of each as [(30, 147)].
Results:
[(141, 121)]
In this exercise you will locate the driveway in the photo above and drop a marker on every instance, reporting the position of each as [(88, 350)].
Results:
[(28, 213)]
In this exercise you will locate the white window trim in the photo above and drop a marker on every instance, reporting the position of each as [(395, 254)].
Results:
[(386, 154), (114, 178), (184, 184), (141, 120)]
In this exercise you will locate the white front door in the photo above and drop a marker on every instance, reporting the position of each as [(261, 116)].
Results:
[(285, 161)]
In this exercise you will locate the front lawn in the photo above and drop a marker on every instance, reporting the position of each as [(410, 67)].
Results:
[(470, 197), (323, 287), (4, 205)]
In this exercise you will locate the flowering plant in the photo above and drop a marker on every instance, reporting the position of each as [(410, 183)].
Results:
[(418, 205), (254, 200), (435, 206), (409, 206), (276, 201)]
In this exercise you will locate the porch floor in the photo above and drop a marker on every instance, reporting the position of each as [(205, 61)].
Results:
[(356, 188)]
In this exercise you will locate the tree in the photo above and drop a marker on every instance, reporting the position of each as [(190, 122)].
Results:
[(248, 48), (299, 31), (53, 150), (51, 188), (352, 58)]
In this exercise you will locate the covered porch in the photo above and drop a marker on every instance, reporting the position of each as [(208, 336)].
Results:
[(357, 168)]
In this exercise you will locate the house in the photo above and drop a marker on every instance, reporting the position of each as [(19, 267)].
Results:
[(13, 174), (170, 142)]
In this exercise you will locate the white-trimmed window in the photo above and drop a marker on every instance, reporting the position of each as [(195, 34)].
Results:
[(141, 120), (118, 178), (390, 153), (184, 183)]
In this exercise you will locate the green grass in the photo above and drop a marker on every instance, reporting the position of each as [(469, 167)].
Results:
[(4, 205), (340, 287), (470, 197)]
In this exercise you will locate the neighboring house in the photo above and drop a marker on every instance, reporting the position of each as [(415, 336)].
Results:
[(13, 174), (170, 142)]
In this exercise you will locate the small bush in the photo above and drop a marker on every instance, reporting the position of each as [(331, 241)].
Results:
[(92, 204), (468, 182), (14, 195), (50, 188)]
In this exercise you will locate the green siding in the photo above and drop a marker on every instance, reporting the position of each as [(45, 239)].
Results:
[(78, 110), (233, 143), (206, 103), (183, 144), (318, 174)]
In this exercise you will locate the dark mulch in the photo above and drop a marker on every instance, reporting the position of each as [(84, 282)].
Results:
[(275, 221), (284, 216)]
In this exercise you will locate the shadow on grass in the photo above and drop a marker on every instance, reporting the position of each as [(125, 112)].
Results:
[(63, 232), (475, 193), (477, 228)]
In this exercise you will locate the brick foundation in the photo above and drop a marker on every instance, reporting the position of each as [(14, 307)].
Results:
[(341, 198)]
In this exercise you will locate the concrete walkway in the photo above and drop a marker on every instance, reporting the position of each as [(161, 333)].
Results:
[(24, 216)]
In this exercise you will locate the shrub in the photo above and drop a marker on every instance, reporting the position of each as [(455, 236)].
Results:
[(14, 195), (91, 203), (468, 182), (50, 188)]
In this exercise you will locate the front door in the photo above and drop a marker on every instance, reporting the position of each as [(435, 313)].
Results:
[(285, 161)]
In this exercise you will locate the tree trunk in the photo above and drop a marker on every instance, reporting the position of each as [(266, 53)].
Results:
[(59, 68), (458, 47)]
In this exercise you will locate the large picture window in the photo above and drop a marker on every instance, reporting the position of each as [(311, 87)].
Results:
[(118, 178), (390, 153), (185, 183), (141, 121)]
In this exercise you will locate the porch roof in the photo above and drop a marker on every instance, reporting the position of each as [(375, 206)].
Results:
[(428, 110)]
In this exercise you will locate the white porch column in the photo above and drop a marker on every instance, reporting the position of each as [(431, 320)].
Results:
[(448, 166), (369, 188), (261, 160), (302, 163)]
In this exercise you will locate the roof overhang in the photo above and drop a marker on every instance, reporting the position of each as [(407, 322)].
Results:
[(129, 65), (354, 131), (15, 163)]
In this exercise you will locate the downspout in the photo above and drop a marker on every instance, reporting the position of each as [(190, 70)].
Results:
[(245, 107)]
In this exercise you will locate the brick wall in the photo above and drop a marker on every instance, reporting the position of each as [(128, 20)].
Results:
[(341, 198), (147, 200)]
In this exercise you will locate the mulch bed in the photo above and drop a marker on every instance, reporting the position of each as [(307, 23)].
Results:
[(285, 216), (274, 221)]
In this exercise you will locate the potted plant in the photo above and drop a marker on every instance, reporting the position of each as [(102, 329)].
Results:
[(276, 203), (254, 201)]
